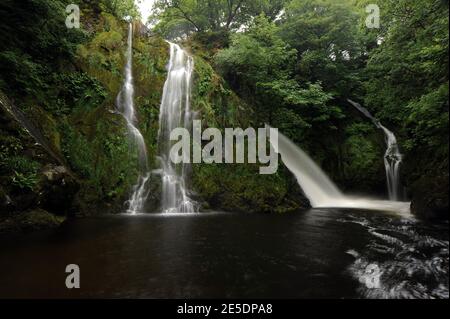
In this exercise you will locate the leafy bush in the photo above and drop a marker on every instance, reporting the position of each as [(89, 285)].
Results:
[(23, 181), (78, 90)]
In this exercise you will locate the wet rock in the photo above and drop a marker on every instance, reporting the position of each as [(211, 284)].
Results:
[(430, 198), (57, 190), (154, 198), (5, 201), (33, 220)]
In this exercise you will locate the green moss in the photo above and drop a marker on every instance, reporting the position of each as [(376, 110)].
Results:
[(219, 106), (30, 221), (362, 152), (98, 149), (237, 187), (150, 58), (241, 188), (103, 56), (47, 125), (95, 140)]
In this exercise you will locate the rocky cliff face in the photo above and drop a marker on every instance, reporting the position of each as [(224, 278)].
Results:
[(74, 158), (67, 152), (429, 190), (35, 183)]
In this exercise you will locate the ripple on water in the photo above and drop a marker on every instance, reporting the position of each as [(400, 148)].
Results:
[(398, 262)]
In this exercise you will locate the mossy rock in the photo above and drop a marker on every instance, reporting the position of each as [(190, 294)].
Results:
[(430, 198), (240, 188), (30, 221)]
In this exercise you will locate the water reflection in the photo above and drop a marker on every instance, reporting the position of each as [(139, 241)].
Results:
[(316, 254)]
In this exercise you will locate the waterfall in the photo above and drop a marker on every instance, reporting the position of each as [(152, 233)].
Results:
[(316, 185), (175, 112), (392, 158), (319, 189), (125, 105)]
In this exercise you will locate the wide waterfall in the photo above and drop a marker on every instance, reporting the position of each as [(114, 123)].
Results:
[(175, 112), (319, 189), (125, 105), (392, 158)]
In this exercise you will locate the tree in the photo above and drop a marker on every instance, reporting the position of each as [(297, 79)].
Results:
[(182, 17), (121, 8), (408, 72), (259, 65), (326, 36), (255, 58)]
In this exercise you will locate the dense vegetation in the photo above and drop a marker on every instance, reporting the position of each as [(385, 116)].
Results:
[(298, 62), (66, 81), (290, 63)]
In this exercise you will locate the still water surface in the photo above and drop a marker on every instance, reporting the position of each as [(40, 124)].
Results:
[(314, 254)]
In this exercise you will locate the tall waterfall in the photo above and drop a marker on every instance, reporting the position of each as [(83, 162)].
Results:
[(175, 112), (392, 158), (125, 105), (318, 187)]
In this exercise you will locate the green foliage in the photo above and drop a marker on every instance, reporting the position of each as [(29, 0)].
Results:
[(120, 8), (254, 61), (407, 85), (102, 57), (24, 165), (326, 36), (9, 146), (294, 71), (413, 58), (78, 90), (219, 106), (257, 55), (19, 71), (427, 122), (260, 65), (24, 181), (68, 94), (241, 188), (15, 167), (363, 163), (22, 171), (31, 50), (177, 18), (109, 40), (102, 157)]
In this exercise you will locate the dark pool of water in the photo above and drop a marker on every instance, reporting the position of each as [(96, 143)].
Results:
[(314, 254)]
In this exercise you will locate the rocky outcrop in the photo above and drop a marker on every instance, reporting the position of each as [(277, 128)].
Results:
[(427, 183), (57, 190), (29, 221), (32, 176), (430, 198)]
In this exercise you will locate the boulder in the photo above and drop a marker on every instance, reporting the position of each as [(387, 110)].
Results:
[(33, 220), (5, 201), (430, 198), (57, 190)]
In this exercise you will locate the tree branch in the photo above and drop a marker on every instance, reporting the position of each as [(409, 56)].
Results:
[(232, 13), (186, 17)]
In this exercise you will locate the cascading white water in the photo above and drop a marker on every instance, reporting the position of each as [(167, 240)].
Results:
[(319, 189), (175, 112), (392, 158), (125, 105)]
